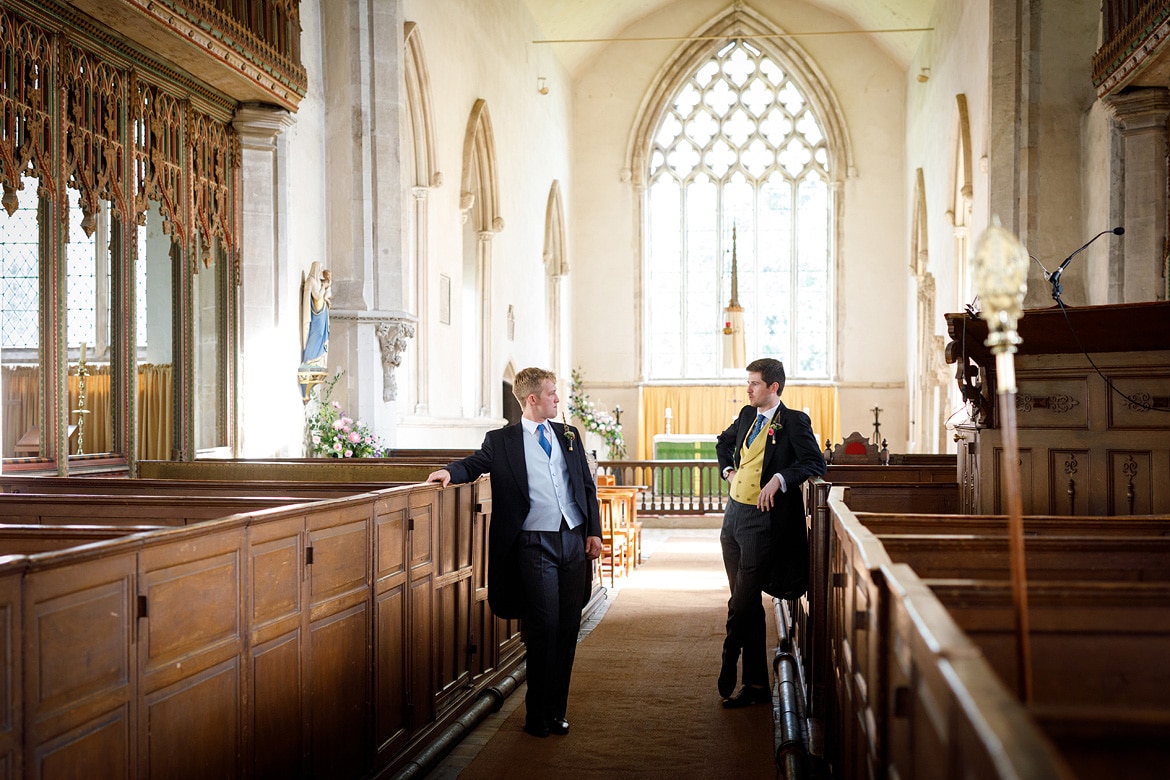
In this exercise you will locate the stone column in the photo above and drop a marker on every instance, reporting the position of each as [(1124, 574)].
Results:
[(419, 278), (1137, 271), (271, 416), (368, 207)]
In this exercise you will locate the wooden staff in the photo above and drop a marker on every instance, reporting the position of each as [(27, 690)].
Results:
[(1001, 274)]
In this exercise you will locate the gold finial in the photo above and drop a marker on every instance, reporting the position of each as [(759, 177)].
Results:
[(1001, 276)]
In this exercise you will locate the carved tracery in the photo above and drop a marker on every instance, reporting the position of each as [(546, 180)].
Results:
[(25, 98)]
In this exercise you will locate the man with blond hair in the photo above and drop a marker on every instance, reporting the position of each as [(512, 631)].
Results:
[(545, 531)]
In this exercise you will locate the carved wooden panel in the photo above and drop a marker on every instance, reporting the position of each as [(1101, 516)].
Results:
[(158, 158), (11, 674), (1027, 484), (1069, 486), (1131, 488), (391, 651), (26, 99), (421, 554), (95, 110), (80, 674), (191, 655), (1140, 403), (338, 677), (338, 680), (277, 615), (1052, 403)]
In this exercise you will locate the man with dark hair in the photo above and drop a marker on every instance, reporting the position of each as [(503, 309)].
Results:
[(546, 528), (765, 454)]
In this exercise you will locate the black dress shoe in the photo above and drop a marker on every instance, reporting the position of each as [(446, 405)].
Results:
[(559, 726), (747, 696), (536, 728), (727, 673)]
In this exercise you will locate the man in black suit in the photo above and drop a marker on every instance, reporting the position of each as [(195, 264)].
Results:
[(765, 454), (545, 530)]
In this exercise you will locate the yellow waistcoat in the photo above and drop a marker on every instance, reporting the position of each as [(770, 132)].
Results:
[(745, 486)]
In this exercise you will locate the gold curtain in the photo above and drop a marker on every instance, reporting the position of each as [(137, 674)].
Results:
[(710, 409), (155, 411), (22, 391)]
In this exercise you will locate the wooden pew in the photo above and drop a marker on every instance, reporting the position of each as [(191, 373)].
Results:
[(328, 638), (941, 710), (878, 488), (1100, 682), (1042, 525), (32, 539), (69, 509), (864, 640), (1086, 557), (309, 491)]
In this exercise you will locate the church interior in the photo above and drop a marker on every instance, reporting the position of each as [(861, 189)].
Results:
[(234, 228)]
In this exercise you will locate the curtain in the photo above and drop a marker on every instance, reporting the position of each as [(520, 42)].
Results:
[(710, 409), (21, 394)]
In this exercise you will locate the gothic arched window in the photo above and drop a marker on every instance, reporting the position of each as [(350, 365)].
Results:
[(739, 146)]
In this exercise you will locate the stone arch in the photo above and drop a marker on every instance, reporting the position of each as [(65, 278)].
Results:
[(961, 197), (479, 188), (556, 268), (479, 200), (419, 114), (928, 376)]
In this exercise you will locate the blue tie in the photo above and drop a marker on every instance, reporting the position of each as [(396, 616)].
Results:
[(544, 440), (755, 429)]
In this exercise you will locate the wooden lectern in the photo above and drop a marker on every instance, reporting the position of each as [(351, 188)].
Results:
[(1083, 448)]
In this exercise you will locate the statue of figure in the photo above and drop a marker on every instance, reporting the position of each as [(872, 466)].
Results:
[(316, 296)]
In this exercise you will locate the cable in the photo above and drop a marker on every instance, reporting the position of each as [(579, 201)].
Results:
[(1108, 382)]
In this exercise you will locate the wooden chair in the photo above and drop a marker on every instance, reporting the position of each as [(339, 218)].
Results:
[(625, 515), (614, 541)]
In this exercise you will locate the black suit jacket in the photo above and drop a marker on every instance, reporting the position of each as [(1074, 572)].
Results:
[(502, 456), (794, 454)]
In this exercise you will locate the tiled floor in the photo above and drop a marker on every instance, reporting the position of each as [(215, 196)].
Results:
[(464, 753)]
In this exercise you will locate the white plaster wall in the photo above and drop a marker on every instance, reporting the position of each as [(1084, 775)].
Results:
[(956, 54), (871, 289), (483, 49)]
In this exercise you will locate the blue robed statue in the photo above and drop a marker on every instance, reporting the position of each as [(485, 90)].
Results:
[(316, 295)]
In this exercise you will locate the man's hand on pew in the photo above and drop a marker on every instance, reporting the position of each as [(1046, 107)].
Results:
[(442, 476)]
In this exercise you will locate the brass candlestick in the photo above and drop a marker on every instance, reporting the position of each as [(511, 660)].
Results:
[(80, 411)]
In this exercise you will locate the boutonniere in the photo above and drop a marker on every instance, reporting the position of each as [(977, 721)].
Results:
[(772, 428), (569, 435)]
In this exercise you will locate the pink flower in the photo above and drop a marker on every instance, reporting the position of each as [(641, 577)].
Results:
[(337, 446), (336, 405), (337, 425), (355, 437), (316, 439), (349, 453)]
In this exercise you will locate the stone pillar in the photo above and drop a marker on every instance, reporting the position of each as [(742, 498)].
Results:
[(368, 207), (1137, 269), (271, 415)]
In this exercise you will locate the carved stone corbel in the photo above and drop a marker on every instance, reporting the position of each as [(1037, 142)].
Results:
[(393, 337)]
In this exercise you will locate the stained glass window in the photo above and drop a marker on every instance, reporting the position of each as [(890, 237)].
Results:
[(739, 146)]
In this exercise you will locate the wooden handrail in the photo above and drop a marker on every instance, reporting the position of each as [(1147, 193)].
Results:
[(672, 487)]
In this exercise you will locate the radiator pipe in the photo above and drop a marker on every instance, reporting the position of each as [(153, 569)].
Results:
[(490, 701), (791, 753)]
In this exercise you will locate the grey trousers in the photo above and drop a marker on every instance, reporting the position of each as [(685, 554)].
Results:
[(746, 538)]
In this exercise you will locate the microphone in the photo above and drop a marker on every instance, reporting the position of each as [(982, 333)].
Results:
[(1054, 277)]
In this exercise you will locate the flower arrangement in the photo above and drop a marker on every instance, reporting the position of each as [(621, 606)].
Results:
[(601, 423), (332, 434)]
